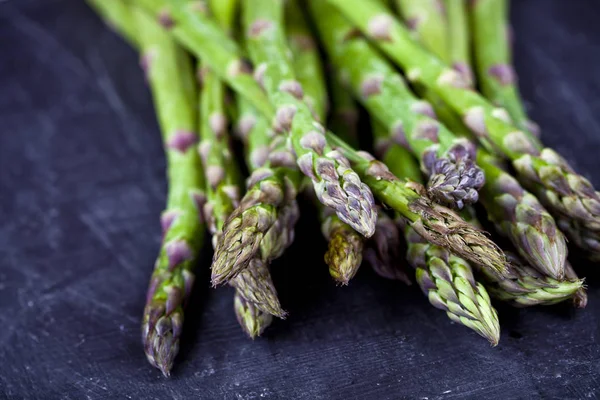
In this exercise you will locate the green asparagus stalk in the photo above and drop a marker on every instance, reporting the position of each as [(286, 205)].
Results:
[(306, 60), (448, 161), (336, 184), (496, 74), (437, 224), (520, 217), (428, 23), (117, 16), (459, 39), (566, 194), (345, 245), (253, 313), (526, 287), (523, 286), (443, 48), (253, 283), (220, 170), (182, 223), (447, 280)]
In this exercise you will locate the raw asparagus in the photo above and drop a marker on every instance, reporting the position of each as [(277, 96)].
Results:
[(345, 245), (459, 38), (183, 228), (525, 287), (566, 194), (520, 217), (446, 159), (491, 42), (253, 283), (428, 23), (335, 183), (447, 280)]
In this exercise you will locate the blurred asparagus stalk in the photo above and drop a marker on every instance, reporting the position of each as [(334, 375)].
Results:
[(497, 78)]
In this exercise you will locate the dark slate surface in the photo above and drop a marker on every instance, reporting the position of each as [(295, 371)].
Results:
[(81, 188)]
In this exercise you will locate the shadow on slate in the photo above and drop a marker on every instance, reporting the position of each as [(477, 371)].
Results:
[(82, 186)]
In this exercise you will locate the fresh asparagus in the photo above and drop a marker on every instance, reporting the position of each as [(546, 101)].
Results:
[(568, 195), (526, 287), (446, 159), (182, 223), (520, 217), (459, 38), (428, 23), (495, 72), (254, 283), (258, 138), (437, 224), (336, 184), (306, 60), (447, 280), (345, 245)]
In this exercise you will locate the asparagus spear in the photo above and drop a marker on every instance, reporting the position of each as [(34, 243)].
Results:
[(428, 23), (520, 217), (182, 223), (255, 314), (447, 280), (345, 246), (526, 287), (253, 283), (336, 185), (306, 60), (459, 43), (568, 195), (497, 77), (446, 159)]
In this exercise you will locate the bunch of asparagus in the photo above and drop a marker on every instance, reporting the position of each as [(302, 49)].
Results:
[(444, 148)]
